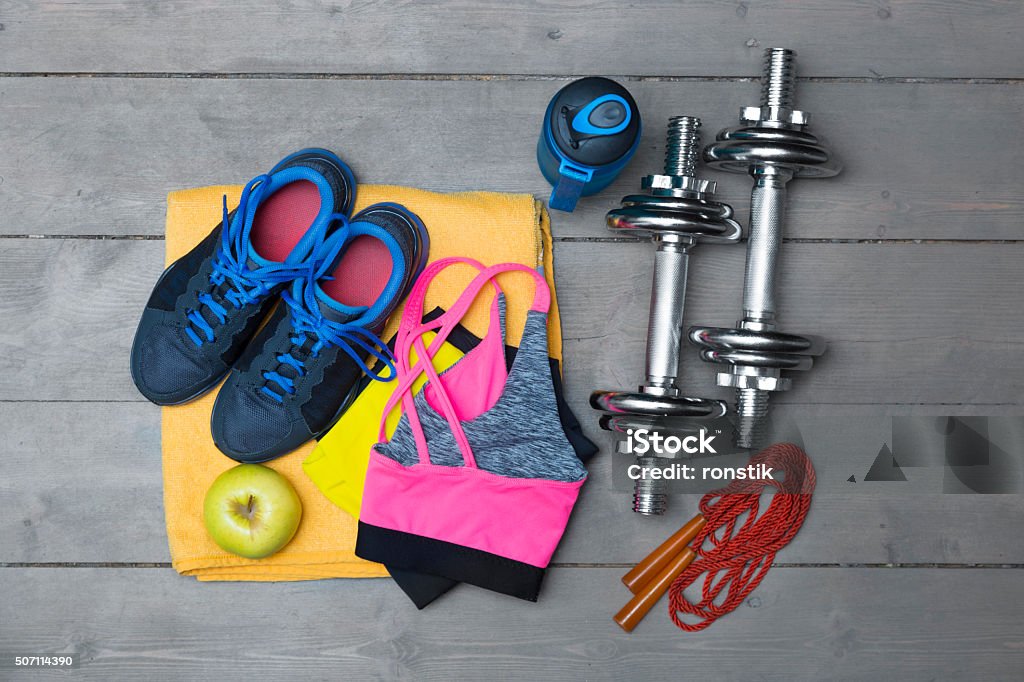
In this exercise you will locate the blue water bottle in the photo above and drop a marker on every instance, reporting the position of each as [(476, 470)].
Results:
[(591, 130)]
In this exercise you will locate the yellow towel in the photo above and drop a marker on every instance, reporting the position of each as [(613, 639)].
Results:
[(490, 227)]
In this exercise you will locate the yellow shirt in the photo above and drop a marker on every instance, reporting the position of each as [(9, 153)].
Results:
[(338, 464)]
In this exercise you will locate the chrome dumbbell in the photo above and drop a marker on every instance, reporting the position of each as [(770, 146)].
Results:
[(773, 145), (678, 213)]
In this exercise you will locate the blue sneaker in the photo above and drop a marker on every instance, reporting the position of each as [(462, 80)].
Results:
[(209, 303), (299, 373)]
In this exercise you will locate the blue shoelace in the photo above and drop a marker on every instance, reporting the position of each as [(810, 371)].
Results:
[(310, 326), (232, 280)]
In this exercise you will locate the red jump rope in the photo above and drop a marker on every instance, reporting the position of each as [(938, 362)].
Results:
[(731, 540)]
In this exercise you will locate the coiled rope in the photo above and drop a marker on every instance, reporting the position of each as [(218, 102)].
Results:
[(736, 548)]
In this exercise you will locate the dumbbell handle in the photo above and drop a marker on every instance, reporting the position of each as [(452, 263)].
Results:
[(767, 217), (665, 325)]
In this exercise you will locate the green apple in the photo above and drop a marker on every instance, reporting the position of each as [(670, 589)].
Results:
[(251, 511)]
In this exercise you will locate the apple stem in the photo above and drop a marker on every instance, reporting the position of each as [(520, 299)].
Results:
[(249, 506)]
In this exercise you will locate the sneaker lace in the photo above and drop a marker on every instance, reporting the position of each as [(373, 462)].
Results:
[(232, 282), (313, 333)]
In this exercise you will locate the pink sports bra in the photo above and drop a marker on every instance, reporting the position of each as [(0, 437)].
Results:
[(478, 480)]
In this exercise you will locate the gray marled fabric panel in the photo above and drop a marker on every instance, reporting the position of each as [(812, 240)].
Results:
[(520, 437)]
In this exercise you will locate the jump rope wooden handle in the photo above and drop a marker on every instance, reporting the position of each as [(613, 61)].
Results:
[(642, 602), (654, 562), (650, 579)]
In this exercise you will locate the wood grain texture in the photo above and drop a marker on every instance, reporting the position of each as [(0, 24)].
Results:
[(88, 156), (930, 38), (939, 314), (89, 490), (801, 623)]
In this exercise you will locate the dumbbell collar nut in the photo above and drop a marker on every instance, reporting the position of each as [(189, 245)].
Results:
[(773, 117), (760, 383), (678, 185)]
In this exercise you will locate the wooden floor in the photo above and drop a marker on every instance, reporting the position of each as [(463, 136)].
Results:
[(910, 263)]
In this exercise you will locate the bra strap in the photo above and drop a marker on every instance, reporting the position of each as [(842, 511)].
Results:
[(410, 335), (405, 340)]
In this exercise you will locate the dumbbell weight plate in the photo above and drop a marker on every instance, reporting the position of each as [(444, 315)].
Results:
[(623, 402)]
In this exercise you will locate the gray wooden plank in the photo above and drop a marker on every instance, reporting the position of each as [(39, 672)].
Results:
[(940, 315), (89, 490), (879, 523), (934, 38), (930, 315), (97, 156), (81, 482), (801, 623)]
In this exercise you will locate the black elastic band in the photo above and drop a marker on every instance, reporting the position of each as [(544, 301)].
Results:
[(406, 551)]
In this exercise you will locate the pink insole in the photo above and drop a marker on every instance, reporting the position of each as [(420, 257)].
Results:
[(283, 218), (361, 274)]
